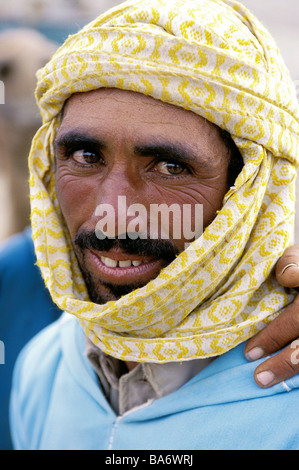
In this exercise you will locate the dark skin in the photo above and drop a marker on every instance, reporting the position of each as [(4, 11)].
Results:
[(141, 148), (113, 143)]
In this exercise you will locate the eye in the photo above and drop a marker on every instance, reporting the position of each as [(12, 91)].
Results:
[(171, 168), (85, 157)]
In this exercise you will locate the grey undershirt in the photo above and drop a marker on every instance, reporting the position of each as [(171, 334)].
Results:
[(146, 382)]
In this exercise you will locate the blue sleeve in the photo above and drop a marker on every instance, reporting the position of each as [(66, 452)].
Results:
[(25, 309), (18, 433), (32, 384)]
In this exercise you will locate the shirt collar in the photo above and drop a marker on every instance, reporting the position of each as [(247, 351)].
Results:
[(147, 381)]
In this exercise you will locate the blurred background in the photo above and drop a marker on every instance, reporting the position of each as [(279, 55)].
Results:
[(30, 31)]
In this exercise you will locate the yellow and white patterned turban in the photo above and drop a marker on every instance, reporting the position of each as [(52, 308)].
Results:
[(214, 58)]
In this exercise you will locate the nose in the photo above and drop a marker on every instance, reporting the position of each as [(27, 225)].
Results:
[(120, 196)]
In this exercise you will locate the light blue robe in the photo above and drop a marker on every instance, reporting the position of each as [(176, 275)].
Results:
[(57, 404)]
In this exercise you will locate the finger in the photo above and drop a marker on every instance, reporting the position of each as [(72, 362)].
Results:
[(279, 368), (287, 267), (278, 334)]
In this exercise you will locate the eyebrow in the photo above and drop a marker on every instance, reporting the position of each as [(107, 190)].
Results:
[(74, 138), (160, 148), (167, 151)]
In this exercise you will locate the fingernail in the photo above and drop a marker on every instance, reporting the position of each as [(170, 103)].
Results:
[(255, 354), (265, 378), (291, 265)]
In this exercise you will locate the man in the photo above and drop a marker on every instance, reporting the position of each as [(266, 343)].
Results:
[(184, 103)]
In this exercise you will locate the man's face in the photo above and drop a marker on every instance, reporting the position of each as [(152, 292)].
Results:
[(114, 143)]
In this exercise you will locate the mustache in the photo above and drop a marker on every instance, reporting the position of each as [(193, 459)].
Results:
[(159, 249)]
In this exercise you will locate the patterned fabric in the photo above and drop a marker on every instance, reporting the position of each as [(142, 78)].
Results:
[(214, 58)]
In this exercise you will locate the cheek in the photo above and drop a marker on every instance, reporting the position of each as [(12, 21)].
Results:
[(197, 204), (77, 200), (210, 196)]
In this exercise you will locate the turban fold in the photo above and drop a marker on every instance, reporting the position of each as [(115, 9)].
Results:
[(213, 58)]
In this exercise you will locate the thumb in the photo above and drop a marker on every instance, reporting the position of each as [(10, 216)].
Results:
[(287, 267)]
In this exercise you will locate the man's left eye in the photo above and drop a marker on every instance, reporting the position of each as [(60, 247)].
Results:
[(84, 157), (170, 168)]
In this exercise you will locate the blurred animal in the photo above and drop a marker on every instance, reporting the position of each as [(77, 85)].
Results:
[(22, 53)]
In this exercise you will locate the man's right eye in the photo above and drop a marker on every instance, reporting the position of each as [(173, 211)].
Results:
[(85, 157)]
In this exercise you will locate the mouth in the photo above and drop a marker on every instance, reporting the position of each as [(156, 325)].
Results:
[(120, 268)]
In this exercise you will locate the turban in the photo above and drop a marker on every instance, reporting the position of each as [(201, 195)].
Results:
[(215, 59)]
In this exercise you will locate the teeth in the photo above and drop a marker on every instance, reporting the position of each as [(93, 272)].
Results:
[(125, 264), (136, 263), (111, 263)]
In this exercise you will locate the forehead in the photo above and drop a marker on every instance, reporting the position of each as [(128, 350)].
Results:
[(116, 112), (125, 102)]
